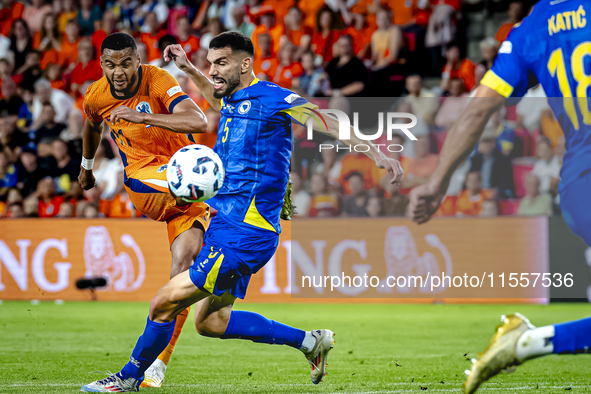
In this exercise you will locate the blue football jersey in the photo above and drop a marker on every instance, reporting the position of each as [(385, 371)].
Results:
[(553, 47), (254, 142)]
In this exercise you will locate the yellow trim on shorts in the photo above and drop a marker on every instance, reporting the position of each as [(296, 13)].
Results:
[(497, 84), (254, 218), (212, 276)]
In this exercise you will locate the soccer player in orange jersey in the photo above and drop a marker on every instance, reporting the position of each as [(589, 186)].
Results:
[(137, 103)]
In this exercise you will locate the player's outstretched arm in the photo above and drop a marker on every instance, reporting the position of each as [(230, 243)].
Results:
[(186, 118), (460, 141), (205, 85), (91, 139), (382, 161)]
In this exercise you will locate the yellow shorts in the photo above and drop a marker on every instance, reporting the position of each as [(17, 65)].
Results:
[(149, 194)]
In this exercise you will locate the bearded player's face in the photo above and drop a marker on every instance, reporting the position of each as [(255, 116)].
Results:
[(224, 71), (121, 69)]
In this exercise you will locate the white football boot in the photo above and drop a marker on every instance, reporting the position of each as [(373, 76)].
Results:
[(113, 384), (319, 354), (500, 354), (154, 376)]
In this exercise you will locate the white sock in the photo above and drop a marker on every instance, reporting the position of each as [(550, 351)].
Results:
[(535, 343), (308, 343)]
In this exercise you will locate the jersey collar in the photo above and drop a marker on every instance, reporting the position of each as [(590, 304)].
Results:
[(130, 94)]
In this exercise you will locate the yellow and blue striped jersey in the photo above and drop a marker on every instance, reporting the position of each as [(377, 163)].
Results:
[(552, 46)]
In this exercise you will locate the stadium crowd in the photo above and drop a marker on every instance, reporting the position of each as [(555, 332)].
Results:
[(430, 53)]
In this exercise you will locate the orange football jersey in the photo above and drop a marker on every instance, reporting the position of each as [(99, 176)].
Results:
[(140, 145)]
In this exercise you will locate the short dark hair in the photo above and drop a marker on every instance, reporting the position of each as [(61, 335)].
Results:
[(234, 40), (118, 42)]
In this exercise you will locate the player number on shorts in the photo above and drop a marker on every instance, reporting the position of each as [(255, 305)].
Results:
[(557, 68), (226, 130)]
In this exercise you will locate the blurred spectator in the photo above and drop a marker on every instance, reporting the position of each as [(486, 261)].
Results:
[(69, 11), (73, 134), (25, 113), (496, 169), (45, 126), (87, 68), (88, 15), (397, 203), (124, 12), (151, 36), (490, 208), (242, 24), (456, 183), (70, 41), (11, 139), (308, 84), (288, 68), (199, 59), (441, 30), (322, 203), (53, 73), (67, 168), (547, 167), (30, 171), (31, 71), (387, 62), (325, 36), (457, 67), (34, 14), (298, 34), (356, 203), (21, 43), (374, 207), (489, 48), (189, 42), (10, 103), (49, 201), (8, 175), (265, 62), (48, 41), (15, 211), (211, 132), (91, 211), (268, 26), (105, 27), (106, 170), (423, 165), (11, 10), (347, 73), (214, 27), (300, 197), (550, 126), (331, 165), (470, 201), (66, 210), (534, 203), (421, 100), (452, 106), (169, 65), (358, 28), (515, 14), (62, 103), (311, 9), (31, 206)]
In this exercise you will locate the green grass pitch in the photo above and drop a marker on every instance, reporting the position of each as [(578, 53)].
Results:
[(49, 348)]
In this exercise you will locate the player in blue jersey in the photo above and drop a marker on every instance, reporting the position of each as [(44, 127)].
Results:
[(552, 45), (254, 143)]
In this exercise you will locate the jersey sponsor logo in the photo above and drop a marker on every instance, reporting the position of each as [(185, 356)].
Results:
[(172, 91), (291, 98), (244, 107), (144, 108), (567, 20), (506, 47)]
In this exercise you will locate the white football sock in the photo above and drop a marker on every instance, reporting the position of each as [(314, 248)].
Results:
[(308, 343), (535, 343)]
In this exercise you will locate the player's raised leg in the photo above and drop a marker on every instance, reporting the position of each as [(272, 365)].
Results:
[(517, 340), (184, 248), (171, 300)]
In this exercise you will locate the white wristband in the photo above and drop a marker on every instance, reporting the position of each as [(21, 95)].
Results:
[(87, 163)]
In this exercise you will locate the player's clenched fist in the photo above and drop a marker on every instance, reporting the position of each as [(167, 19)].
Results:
[(424, 202), (86, 179), (126, 113), (176, 53), (393, 167)]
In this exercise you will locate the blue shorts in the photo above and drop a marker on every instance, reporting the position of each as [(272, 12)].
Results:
[(230, 255), (574, 203)]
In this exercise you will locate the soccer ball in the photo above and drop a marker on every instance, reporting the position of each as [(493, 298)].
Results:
[(195, 173)]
